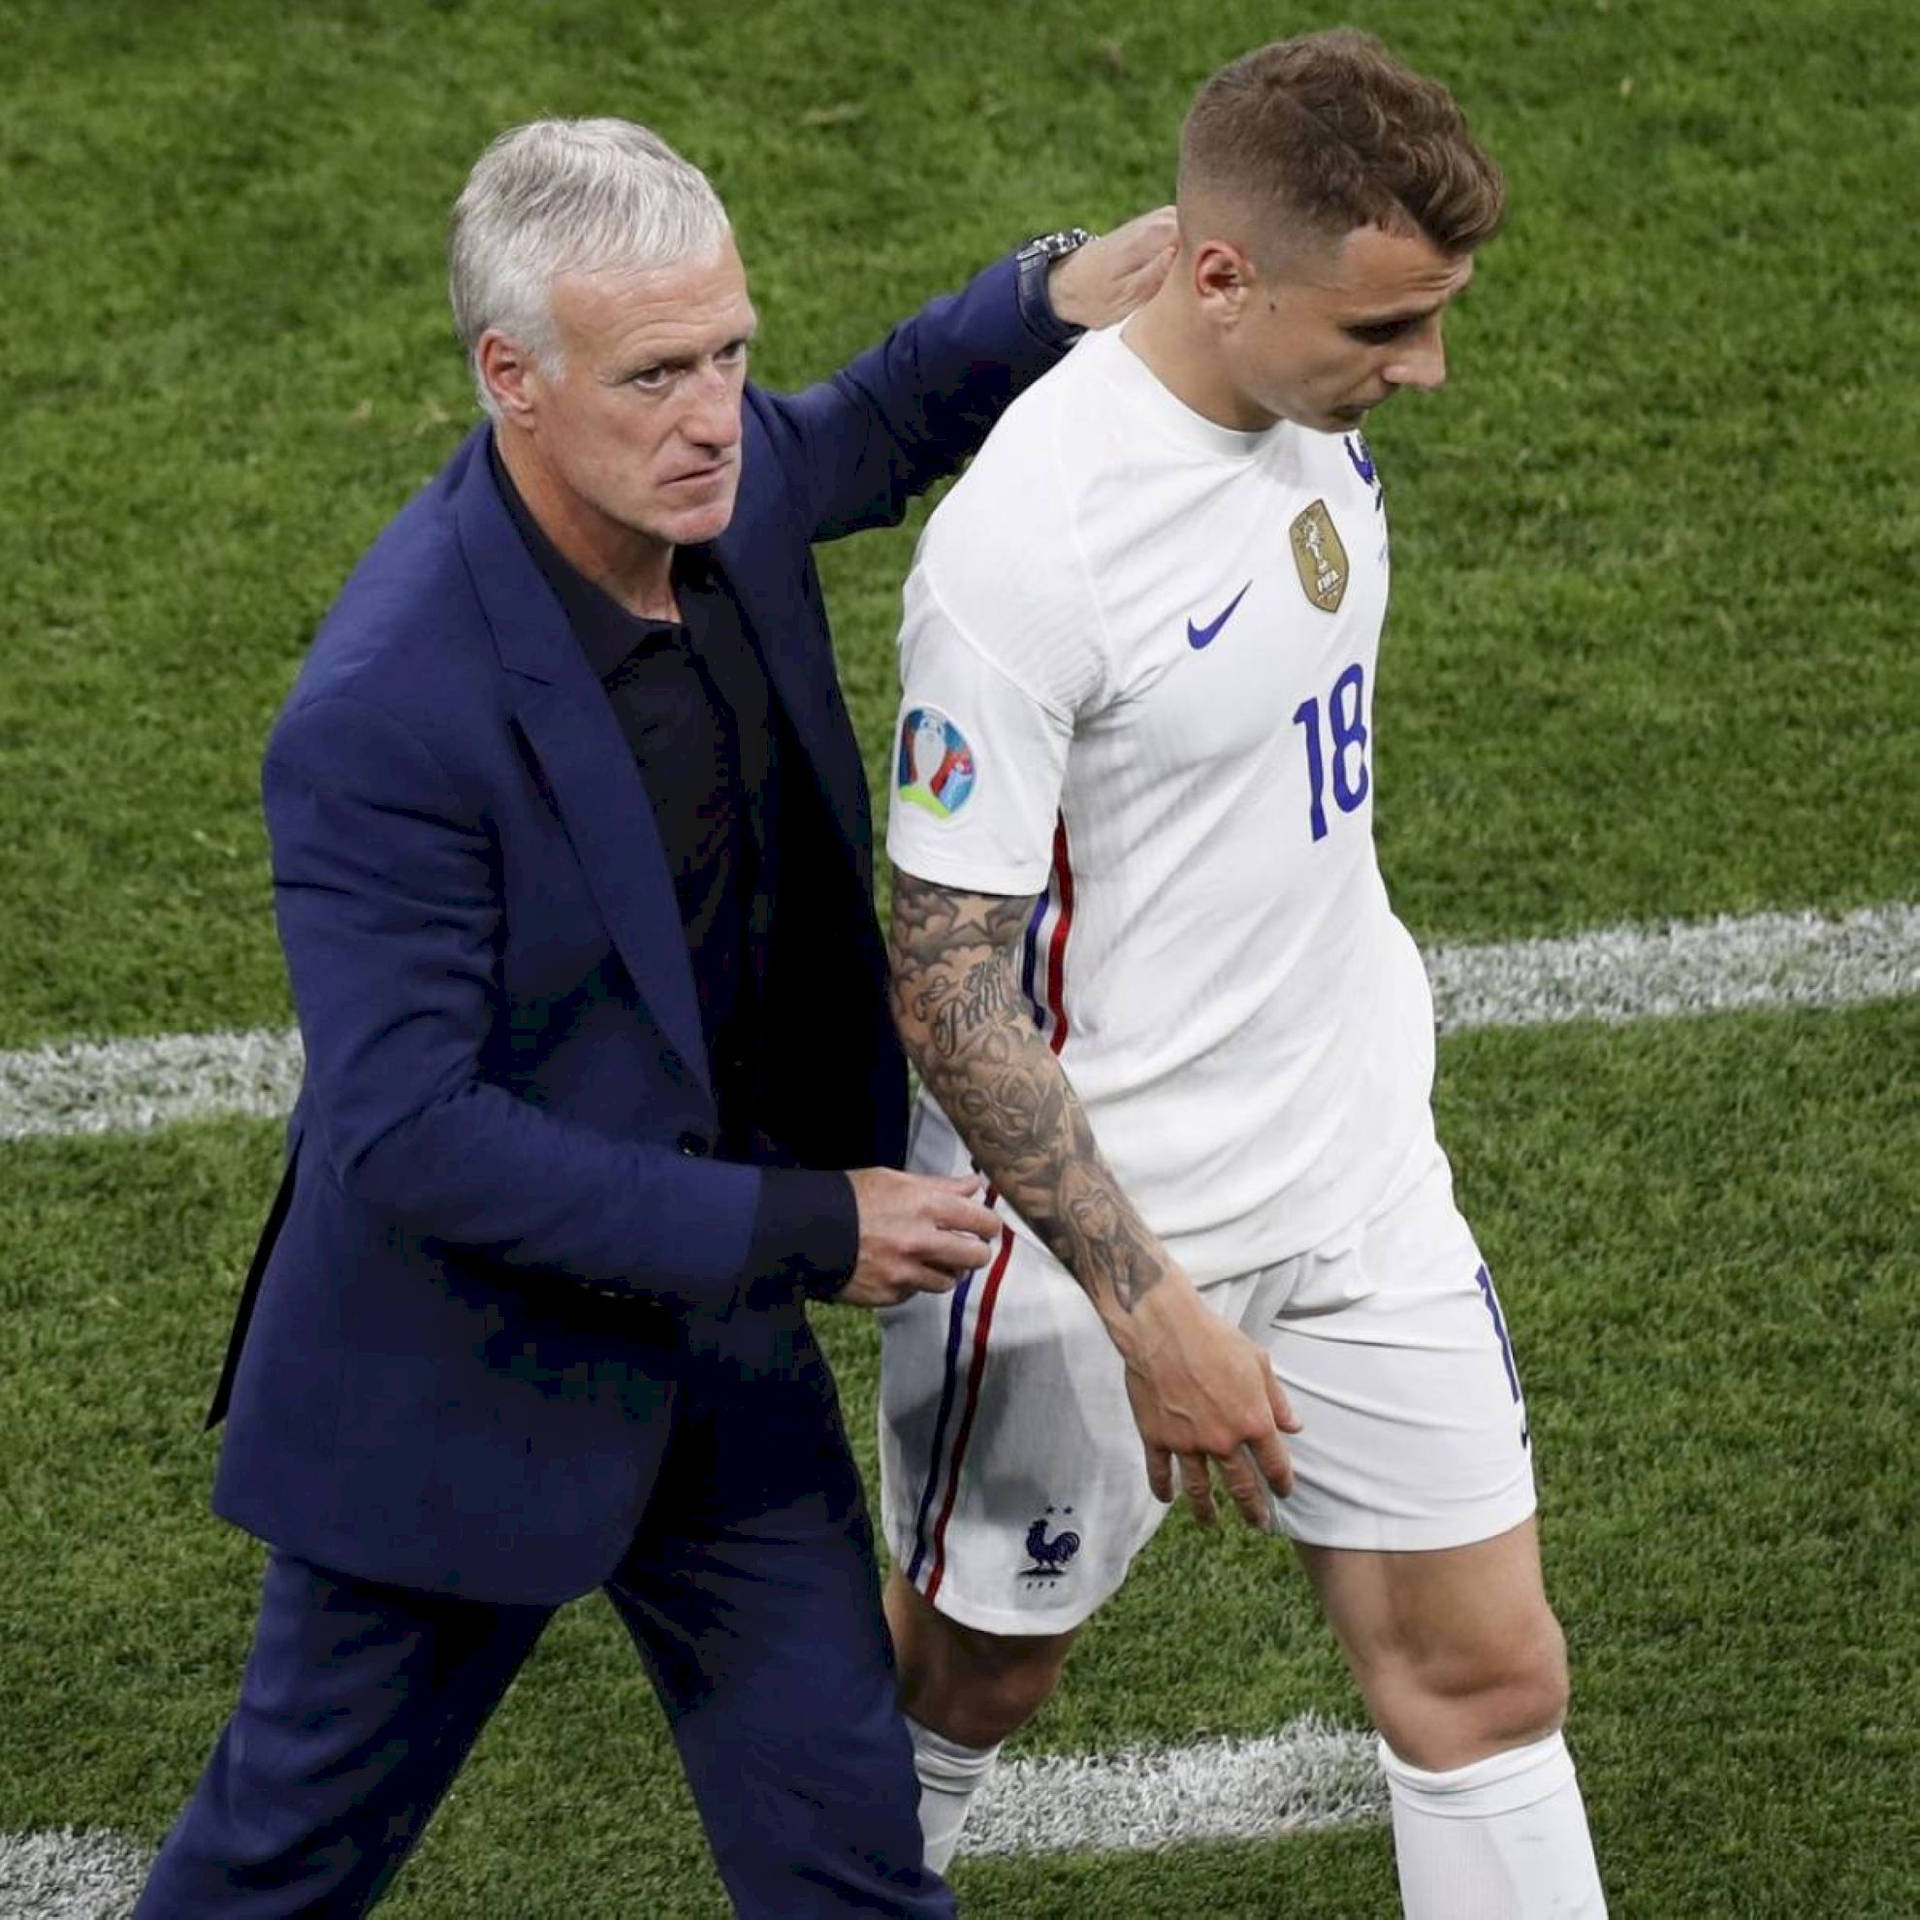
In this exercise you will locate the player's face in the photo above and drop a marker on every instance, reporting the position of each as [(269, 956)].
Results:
[(641, 424), (1324, 340)]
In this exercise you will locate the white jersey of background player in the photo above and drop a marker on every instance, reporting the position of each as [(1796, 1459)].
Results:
[(1147, 968)]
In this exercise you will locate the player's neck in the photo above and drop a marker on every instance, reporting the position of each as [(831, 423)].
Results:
[(1171, 338)]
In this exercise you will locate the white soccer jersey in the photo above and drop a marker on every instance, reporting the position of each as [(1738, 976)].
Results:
[(1138, 661)]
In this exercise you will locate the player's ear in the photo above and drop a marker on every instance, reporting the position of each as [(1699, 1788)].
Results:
[(1223, 280)]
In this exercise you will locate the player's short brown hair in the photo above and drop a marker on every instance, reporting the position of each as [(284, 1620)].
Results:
[(1328, 132)]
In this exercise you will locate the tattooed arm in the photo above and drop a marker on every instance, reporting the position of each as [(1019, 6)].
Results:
[(1199, 1389)]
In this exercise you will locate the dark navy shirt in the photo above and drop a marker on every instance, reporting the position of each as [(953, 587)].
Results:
[(695, 708)]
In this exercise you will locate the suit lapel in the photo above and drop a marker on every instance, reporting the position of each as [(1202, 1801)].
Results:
[(585, 761), (803, 681)]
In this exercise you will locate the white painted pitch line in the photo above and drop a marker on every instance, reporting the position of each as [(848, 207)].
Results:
[(1308, 1776), (1311, 1775), (1725, 965), (64, 1875), (133, 1086), (1614, 974)]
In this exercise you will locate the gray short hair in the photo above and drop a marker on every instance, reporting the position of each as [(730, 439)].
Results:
[(568, 196)]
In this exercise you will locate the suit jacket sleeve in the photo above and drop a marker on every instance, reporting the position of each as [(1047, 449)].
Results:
[(905, 413), (388, 904)]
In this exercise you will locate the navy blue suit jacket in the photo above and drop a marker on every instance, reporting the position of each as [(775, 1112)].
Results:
[(502, 1227)]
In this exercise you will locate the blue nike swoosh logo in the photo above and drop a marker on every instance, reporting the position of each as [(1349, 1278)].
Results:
[(1198, 637)]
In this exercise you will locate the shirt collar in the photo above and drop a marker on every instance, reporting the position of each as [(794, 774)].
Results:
[(606, 631)]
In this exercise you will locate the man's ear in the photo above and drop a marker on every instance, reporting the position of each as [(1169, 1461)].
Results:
[(507, 371), (1224, 280)]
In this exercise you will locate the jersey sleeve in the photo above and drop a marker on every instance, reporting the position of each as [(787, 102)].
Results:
[(979, 752), (1002, 656)]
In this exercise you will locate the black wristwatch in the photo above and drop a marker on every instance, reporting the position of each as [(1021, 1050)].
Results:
[(1034, 261)]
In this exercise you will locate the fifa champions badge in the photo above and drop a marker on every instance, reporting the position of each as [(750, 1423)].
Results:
[(1319, 557), (935, 770)]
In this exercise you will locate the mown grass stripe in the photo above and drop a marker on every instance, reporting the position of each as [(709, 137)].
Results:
[(1614, 974)]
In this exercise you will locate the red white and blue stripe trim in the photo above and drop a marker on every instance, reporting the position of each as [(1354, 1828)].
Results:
[(1043, 977), (1043, 955)]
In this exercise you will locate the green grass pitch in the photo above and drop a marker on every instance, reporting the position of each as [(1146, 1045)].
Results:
[(1651, 657)]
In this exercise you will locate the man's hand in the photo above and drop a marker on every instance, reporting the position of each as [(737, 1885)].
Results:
[(1201, 1390), (1198, 1388), (1104, 281), (918, 1234)]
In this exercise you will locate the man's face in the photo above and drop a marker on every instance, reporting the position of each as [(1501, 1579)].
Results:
[(641, 425), (1324, 338)]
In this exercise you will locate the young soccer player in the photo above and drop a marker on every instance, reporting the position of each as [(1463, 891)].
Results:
[(1148, 970)]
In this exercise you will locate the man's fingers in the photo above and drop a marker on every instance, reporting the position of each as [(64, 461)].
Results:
[(1193, 1472), (955, 1204), (1284, 1416), (1160, 1473), (965, 1238), (1247, 1484), (1151, 232), (957, 1253), (966, 1216), (1269, 1458)]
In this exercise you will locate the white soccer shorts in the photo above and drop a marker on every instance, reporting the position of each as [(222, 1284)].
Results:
[(1014, 1492)]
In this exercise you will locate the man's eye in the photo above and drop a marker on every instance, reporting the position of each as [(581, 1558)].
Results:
[(650, 379), (732, 353), (1383, 333)]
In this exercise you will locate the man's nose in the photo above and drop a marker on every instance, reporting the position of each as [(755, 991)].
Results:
[(1421, 363), (714, 418)]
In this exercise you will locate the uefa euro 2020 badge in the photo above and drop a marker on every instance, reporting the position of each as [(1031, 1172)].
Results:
[(936, 769), (1047, 1558)]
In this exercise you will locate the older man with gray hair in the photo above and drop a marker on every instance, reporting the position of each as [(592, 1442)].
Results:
[(572, 867)]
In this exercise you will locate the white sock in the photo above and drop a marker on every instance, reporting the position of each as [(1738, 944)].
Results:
[(950, 1775), (1503, 1839)]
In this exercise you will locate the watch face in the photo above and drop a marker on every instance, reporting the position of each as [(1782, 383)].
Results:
[(1056, 246), (1035, 261)]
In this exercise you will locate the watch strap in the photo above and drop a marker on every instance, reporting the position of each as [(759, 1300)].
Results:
[(1034, 262)]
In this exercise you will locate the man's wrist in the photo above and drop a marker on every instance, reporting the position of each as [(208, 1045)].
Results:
[(806, 1236), (1140, 1329), (1034, 264)]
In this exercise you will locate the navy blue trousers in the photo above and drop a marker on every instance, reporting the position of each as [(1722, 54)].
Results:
[(751, 1594)]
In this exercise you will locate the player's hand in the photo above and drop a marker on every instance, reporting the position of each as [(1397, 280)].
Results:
[(1104, 281), (1202, 1393), (918, 1234)]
